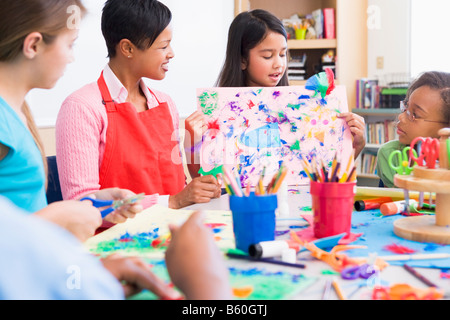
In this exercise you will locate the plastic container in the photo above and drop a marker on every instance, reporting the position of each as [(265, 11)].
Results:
[(253, 219), (300, 34), (332, 206)]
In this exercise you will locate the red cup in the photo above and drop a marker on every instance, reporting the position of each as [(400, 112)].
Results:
[(332, 206)]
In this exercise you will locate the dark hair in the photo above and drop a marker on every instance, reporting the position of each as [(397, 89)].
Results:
[(247, 30), (140, 21), (438, 81)]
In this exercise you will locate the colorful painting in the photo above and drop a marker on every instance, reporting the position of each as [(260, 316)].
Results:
[(147, 236), (249, 129), (247, 283)]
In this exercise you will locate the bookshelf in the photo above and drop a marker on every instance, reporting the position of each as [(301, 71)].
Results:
[(350, 44), (377, 121)]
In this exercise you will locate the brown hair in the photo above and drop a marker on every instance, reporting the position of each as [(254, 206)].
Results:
[(19, 18)]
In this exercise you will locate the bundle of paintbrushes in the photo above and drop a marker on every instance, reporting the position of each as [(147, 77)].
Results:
[(317, 171), (233, 183)]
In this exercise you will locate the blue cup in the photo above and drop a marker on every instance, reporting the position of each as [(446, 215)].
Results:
[(253, 219)]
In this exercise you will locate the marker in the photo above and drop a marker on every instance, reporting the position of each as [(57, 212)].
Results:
[(270, 249), (392, 208), (370, 204), (281, 263)]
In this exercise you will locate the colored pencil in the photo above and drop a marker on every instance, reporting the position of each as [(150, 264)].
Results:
[(232, 182), (352, 173), (349, 163), (260, 182), (266, 260), (419, 276), (326, 290), (406, 257), (335, 171), (338, 290), (325, 173), (280, 180)]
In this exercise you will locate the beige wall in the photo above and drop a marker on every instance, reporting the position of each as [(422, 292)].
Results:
[(48, 138)]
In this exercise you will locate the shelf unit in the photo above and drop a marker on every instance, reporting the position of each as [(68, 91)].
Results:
[(373, 115), (350, 44)]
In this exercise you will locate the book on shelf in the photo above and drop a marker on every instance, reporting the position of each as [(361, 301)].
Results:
[(368, 163), (367, 94), (371, 95), (391, 97), (381, 132), (318, 23), (329, 23)]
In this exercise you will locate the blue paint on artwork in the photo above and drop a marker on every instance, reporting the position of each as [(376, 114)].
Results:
[(263, 107), (267, 136)]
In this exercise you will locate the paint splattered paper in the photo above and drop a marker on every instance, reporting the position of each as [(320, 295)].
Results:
[(252, 128), (146, 235), (247, 283)]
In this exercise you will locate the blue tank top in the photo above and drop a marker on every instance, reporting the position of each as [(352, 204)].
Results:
[(22, 174)]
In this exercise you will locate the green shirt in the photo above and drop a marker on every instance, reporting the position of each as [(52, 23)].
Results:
[(384, 171)]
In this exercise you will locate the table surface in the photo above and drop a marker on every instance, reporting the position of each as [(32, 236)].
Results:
[(390, 275)]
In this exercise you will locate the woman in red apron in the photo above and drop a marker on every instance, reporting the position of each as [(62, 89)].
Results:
[(141, 150)]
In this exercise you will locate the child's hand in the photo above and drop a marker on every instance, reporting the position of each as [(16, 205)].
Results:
[(135, 275), (195, 126), (199, 190), (358, 129), (80, 218), (195, 263), (123, 213)]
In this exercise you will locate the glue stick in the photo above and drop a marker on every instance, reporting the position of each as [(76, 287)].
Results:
[(391, 208), (270, 249), (370, 204)]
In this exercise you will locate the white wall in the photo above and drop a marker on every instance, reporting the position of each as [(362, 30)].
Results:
[(430, 47), (199, 42), (389, 37)]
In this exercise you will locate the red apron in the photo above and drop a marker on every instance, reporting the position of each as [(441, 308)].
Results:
[(140, 154)]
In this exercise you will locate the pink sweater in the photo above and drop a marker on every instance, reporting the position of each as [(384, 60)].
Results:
[(81, 136)]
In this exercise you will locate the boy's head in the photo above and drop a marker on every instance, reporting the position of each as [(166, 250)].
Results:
[(426, 108), (139, 21)]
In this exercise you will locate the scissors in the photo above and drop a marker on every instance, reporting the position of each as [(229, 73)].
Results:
[(429, 152), (364, 271), (403, 167), (113, 204)]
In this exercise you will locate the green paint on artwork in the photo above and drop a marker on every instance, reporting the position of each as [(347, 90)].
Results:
[(208, 102), (267, 285), (296, 146), (140, 243), (293, 106)]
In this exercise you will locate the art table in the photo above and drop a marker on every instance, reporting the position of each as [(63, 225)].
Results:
[(257, 280)]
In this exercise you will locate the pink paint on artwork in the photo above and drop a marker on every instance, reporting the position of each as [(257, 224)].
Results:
[(398, 249)]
